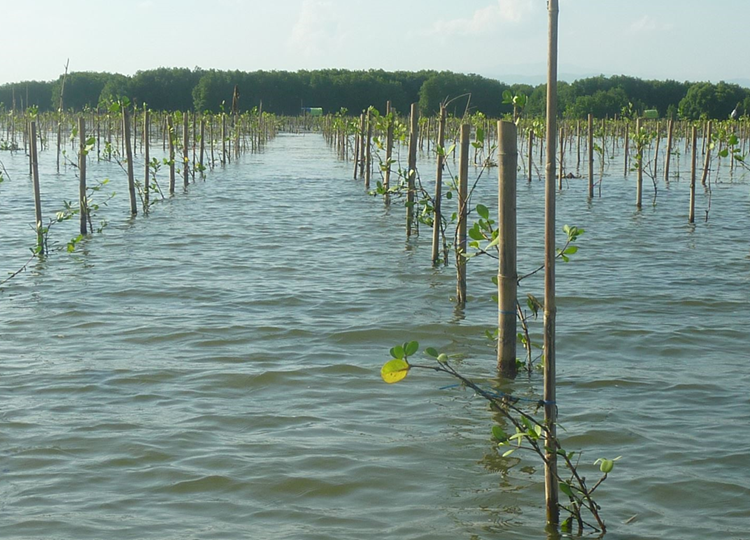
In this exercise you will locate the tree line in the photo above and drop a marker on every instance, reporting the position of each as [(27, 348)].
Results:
[(285, 93)]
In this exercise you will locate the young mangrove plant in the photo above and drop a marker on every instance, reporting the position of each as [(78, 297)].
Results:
[(528, 435)]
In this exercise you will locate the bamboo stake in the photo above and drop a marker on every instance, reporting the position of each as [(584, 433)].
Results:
[(531, 159), (668, 155), (83, 213), (627, 148), (707, 145), (362, 136), (146, 157), (507, 274), (591, 155), (562, 158), (170, 135), (550, 307), (368, 151), (694, 159), (202, 147), (185, 150), (463, 195), (639, 175), (129, 157), (437, 203), (656, 148), (37, 195), (412, 170), (388, 152)]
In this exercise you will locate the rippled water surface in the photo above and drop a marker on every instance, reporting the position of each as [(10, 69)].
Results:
[(212, 370)]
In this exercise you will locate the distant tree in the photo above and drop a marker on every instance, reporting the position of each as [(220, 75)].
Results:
[(707, 100)]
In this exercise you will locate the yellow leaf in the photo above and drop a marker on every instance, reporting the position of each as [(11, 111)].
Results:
[(394, 370)]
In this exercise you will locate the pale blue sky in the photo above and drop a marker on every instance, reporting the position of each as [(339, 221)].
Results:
[(677, 39)]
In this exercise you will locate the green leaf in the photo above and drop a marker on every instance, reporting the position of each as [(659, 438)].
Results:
[(475, 233), (411, 348), (565, 488), (394, 370), (570, 250), (483, 212), (442, 357), (499, 434), (430, 351), (397, 352)]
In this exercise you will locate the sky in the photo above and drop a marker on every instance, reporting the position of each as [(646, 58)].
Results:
[(504, 39)]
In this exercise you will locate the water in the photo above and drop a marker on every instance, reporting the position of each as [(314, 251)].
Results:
[(212, 370)]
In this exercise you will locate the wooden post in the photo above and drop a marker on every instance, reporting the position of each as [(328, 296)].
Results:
[(578, 145), (694, 160), (412, 167), (639, 175), (531, 144), (362, 136), (33, 158), (82, 198), (357, 152), (368, 151), (437, 203), (146, 158), (463, 196), (185, 151), (627, 149), (223, 138), (388, 151), (170, 135), (202, 148), (591, 155), (656, 148), (507, 275), (550, 307), (562, 157), (668, 155), (129, 157), (707, 145)]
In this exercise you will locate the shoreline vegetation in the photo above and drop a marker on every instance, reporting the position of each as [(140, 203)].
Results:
[(286, 93)]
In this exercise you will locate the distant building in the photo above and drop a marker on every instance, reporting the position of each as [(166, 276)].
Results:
[(312, 111)]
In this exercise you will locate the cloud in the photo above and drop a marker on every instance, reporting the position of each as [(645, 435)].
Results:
[(648, 24), (318, 29), (485, 19)]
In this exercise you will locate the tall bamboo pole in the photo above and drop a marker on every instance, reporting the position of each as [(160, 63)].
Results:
[(129, 157), (412, 164), (639, 174), (33, 159), (146, 158), (185, 150), (362, 137), (627, 149), (562, 157), (668, 154), (437, 203), (202, 147), (388, 152), (531, 157), (507, 274), (694, 159), (550, 307), (463, 196), (170, 135), (82, 199), (368, 150), (591, 154), (707, 145)]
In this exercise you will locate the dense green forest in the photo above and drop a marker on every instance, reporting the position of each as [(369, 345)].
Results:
[(284, 92)]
